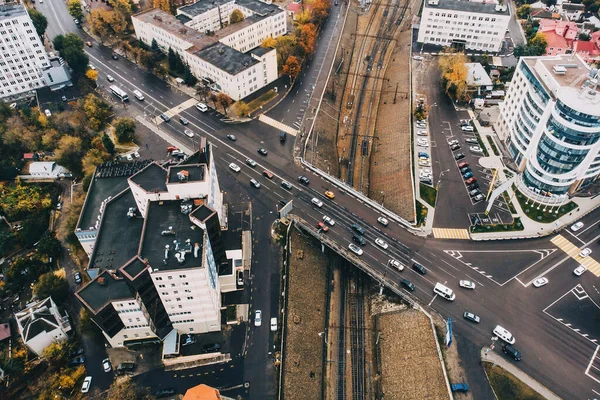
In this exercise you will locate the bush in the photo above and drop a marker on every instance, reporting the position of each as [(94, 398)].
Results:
[(125, 129)]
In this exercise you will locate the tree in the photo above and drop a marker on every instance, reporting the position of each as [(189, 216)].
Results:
[(307, 36), (124, 129), (213, 97), (49, 245), (538, 44), (69, 153), (75, 9), (108, 144), (56, 353), (291, 67), (242, 108), (126, 389), (320, 11), (154, 47), (92, 74), (163, 5), (52, 285), (175, 62), (188, 77), (16, 201), (454, 75), (97, 111), (70, 47), (224, 100), (285, 47), (202, 91), (92, 159), (268, 42), (524, 11), (39, 22), (584, 37), (99, 20), (236, 16)]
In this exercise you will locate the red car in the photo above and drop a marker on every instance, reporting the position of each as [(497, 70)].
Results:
[(322, 227), (462, 164), (268, 174), (470, 180)]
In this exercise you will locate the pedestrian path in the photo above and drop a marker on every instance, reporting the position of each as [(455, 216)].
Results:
[(172, 141), (279, 125), (562, 243), (176, 110), (447, 233)]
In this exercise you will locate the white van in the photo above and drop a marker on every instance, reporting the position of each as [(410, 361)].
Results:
[(504, 334), (138, 95), (444, 291), (202, 107)]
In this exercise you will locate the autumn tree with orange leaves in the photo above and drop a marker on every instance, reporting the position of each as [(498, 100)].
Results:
[(292, 67), (454, 75), (320, 11), (306, 39)]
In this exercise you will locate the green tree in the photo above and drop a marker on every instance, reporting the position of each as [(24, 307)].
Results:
[(75, 9), (124, 129), (56, 353), (154, 46), (39, 22), (584, 37), (538, 44), (97, 111), (52, 285), (70, 47), (454, 75), (173, 60), (524, 11), (236, 16), (49, 245), (188, 77), (69, 153), (19, 200), (108, 144)]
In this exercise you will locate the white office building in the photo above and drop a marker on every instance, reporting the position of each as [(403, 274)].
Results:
[(225, 57), (550, 125), (472, 25), (22, 55)]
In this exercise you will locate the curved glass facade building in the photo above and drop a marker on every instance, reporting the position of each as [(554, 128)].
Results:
[(550, 124)]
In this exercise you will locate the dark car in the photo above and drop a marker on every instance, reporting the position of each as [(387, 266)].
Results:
[(165, 392), (282, 137), (286, 185), (474, 192), (303, 180), (469, 316), (262, 151), (474, 185), (359, 239), (125, 367), (76, 361), (165, 117), (512, 352), (211, 348), (77, 277), (283, 202), (459, 387), (115, 56), (468, 175), (459, 156), (464, 170), (455, 147), (419, 268), (408, 284), (358, 229), (76, 352)]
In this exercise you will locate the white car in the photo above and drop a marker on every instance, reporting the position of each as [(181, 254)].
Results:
[(92, 67), (106, 365), (274, 324), (422, 143), (317, 202), (251, 162), (48, 113), (476, 149), (425, 172), (417, 58), (381, 243), (504, 334), (466, 284), (466, 128), (577, 226), (328, 220), (355, 249), (136, 154), (129, 157), (472, 140), (580, 270), (257, 318), (383, 221), (585, 252), (539, 282), (396, 264), (87, 382), (234, 167), (202, 107), (188, 133), (422, 132), (424, 162), (110, 78), (452, 142)]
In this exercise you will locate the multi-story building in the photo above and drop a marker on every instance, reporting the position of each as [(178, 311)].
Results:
[(157, 254), (226, 57), (550, 125), (22, 54), (474, 25)]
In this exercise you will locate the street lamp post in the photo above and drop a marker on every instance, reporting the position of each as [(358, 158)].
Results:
[(437, 186)]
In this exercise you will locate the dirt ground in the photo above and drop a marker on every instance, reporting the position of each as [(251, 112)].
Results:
[(410, 366), (305, 320)]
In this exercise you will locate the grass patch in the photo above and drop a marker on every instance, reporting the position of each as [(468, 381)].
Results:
[(231, 313), (540, 215), (428, 194), (260, 100), (483, 147), (494, 148), (509, 203), (421, 213), (515, 226), (507, 387)]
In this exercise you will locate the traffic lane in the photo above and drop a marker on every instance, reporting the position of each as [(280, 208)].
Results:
[(60, 21)]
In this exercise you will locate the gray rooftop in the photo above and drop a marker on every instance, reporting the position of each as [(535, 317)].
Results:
[(8, 11), (232, 28), (159, 219), (226, 58), (97, 295), (468, 6), (261, 51), (200, 7), (259, 7), (195, 173), (134, 267), (152, 179), (118, 239)]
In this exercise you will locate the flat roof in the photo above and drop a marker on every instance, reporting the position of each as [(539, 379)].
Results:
[(152, 179), (202, 6), (195, 173), (8, 11), (97, 295), (203, 212), (260, 7), (119, 237), (261, 51), (226, 58), (232, 28), (159, 219), (134, 267), (468, 6)]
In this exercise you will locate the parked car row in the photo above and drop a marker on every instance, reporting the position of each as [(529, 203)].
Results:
[(424, 161)]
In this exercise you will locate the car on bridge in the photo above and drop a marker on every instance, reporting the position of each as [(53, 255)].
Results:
[(322, 227), (355, 249), (328, 220), (329, 194), (303, 180), (408, 284), (359, 239), (358, 229), (234, 167), (396, 264), (381, 243), (251, 162), (383, 221), (316, 202)]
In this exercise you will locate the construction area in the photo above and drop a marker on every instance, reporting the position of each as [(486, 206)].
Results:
[(344, 339), (362, 131)]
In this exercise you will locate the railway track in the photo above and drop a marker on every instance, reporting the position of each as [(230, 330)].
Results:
[(356, 293), (341, 362)]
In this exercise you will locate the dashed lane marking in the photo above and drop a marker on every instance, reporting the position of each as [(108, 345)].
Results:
[(573, 251), (446, 233)]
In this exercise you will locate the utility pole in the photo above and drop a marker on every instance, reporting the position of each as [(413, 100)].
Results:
[(396, 93)]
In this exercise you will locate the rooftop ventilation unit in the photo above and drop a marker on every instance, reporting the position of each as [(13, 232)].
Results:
[(433, 2), (559, 70), (183, 175)]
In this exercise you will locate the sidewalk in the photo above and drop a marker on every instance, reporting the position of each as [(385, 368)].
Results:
[(490, 356)]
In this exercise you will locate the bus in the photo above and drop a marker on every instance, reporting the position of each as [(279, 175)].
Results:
[(119, 93)]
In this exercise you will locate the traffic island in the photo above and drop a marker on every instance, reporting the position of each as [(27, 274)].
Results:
[(506, 386), (540, 212)]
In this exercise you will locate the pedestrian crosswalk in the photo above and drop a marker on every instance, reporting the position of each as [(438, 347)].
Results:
[(175, 110), (279, 125), (447, 233), (573, 251)]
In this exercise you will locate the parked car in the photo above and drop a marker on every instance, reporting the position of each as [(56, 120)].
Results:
[(478, 198), (577, 226), (87, 383), (424, 163), (106, 365), (77, 277), (77, 361), (459, 156), (455, 147), (467, 128), (211, 348), (474, 185), (422, 132), (422, 154), (202, 107), (258, 318), (470, 181), (274, 324), (539, 282), (462, 164), (472, 140), (76, 352), (451, 142), (459, 387), (476, 149), (468, 175), (164, 392), (125, 367), (464, 170)]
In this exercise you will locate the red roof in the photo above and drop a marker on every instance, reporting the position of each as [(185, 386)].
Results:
[(28, 156), (556, 41), (297, 7), (202, 392), (4, 331), (579, 45)]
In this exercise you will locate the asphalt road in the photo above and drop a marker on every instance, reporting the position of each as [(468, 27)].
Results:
[(553, 353)]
